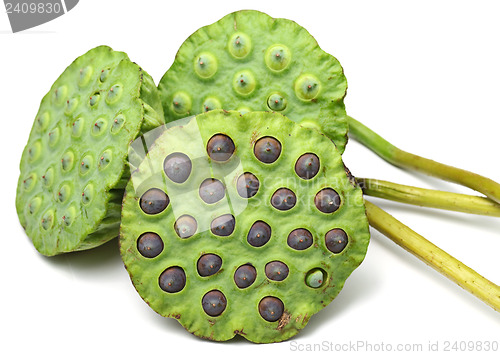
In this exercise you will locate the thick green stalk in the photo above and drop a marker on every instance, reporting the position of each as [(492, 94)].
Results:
[(435, 257), (429, 198), (403, 159)]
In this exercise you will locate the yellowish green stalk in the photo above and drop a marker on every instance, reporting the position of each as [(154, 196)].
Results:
[(429, 198), (433, 256), (403, 159)]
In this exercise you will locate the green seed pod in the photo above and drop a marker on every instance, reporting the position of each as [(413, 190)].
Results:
[(77, 150), (228, 261), (251, 60)]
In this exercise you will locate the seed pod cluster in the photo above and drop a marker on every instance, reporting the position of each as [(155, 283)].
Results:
[(74, 167), (265, 212), (249, 61)]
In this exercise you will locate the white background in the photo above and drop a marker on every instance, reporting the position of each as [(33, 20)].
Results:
[(425, 75)]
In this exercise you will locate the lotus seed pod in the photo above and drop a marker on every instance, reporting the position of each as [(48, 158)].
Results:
[(249, 59), (74, 167), (240, 265)]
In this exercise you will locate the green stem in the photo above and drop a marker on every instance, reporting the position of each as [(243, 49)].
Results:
[(407, 160), (429, 198), (435, 257)]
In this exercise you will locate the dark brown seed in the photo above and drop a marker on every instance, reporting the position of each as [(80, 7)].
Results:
[(223, 225), (150, 245), (300, 239), (267, 149), (177, 167), (271, 308), (276, 270), (259, 234), (214, 303), (154, 201), (185, 226), (327, 200), (172, 279), (247, 185), (209, 264), (245, 275), (220, 147), (283, 199), (336, 240), (212, 190), (307, 166)]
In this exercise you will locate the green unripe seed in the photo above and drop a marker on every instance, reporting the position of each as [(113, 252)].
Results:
[(181, 103), (307, 87), (85, 76), (47, 219), (42, 121), (94, 99), (99, 126), (34, 151), (205, 65), (67, 161), (54, 136), (105, 159), (77, 127), (71, 105), (117, 124), (63, 193), (59, 95), (114, 94), (211, 103), (29, 182), (278, 57), (34, 205), (315, 278), (88, 194), (86, 163), (239, 45), (244, 82), (104, 75), (48, 177), (276, 102)]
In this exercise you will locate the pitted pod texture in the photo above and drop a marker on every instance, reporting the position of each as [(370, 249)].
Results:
[(73, 168), (228, 254), (248, 61)]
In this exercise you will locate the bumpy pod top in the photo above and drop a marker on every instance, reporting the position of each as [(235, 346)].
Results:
[(241, 225), (73, 168), (248, 61)]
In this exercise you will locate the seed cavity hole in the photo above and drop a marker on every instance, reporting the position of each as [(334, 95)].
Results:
[(172, 280), (276, 270), (336, 240), (150, 245), (283, 199), (214, 303), (185, 226), (267, 149), (212, 190), (223, 226), (208, 264), (245, 276), (271, 308), (307, 166), (247, 185), (154, 201), (327, 200), (259, 234), (220, 148), (300, 239)]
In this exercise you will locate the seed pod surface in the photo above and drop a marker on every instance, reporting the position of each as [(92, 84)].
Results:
[(240, 262)]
